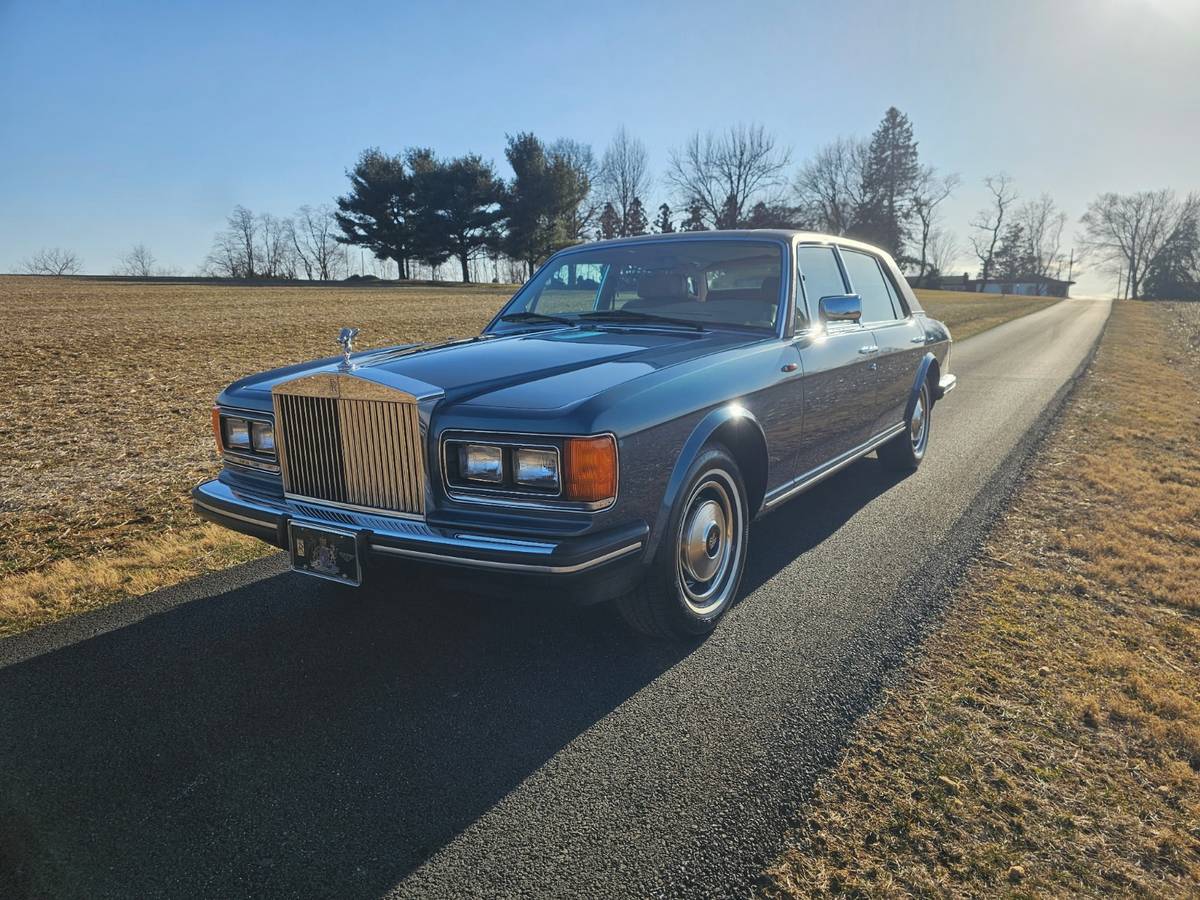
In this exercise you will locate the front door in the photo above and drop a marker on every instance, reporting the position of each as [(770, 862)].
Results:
[(899, 337), (839, 368)]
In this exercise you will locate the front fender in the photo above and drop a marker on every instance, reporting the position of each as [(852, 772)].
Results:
[(922, 373), (727, 415)]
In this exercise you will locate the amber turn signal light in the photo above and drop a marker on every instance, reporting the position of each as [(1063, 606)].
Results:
[(216, 423), (590, 469)]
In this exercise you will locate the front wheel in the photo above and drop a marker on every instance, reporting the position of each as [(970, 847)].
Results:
[(904, 452), (698, 566)]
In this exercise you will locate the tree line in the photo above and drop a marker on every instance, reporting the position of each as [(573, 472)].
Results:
[(417, 211)]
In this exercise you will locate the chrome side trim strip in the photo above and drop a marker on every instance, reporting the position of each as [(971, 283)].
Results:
[(511, 567), (808, 479), (261, 523)]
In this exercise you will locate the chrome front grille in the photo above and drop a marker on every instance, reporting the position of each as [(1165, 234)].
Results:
[(346, 440)]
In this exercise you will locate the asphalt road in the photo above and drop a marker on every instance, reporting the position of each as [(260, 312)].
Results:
[(256, 733)]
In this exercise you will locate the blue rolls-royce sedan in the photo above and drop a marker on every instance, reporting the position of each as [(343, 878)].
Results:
[(611, 434)]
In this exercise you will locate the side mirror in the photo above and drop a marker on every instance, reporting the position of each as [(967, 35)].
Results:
[(841, 308)]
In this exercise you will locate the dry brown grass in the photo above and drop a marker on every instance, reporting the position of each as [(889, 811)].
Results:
[(968, 314), (1047, 738), (106, 425)]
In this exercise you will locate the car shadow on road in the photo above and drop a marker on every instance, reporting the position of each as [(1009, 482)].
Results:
[(285, 738)]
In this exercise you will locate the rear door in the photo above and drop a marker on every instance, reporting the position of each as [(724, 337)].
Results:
[(839, 366), (898, 336)]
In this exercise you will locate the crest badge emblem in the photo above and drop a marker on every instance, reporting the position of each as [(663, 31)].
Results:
[(346, 341)]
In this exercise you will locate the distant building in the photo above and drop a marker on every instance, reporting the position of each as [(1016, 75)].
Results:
[(1032, 285)]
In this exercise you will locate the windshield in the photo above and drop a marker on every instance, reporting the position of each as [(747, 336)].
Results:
[(706, 283)]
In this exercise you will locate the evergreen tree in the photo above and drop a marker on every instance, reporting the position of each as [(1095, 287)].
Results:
[(695, 218), (459, 203), (775, 215), (610, 223), (378, 212), (663, 224), (1174, 273), (891, 176), (541, 203), (635, 219), (729, 213), (1013, 259)]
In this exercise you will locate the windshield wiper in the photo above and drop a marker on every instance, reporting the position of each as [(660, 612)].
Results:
[(633, 315), (527, 316)]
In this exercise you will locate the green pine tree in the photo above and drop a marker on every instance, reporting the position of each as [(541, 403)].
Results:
[(695, 218), (378, 212), (891, 176), (663, 224), (635, 218), (610, 223), (1174, 273)]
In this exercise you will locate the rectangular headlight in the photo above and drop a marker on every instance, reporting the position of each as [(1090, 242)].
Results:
[(262, 437), (237, 433), (536, 468), (480, 462)]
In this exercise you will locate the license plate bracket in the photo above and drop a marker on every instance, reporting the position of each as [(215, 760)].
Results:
[(328, 553)]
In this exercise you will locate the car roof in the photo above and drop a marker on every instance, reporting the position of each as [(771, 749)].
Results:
[(776, 234)]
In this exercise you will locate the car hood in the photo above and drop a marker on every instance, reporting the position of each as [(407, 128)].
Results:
[(538, 370)]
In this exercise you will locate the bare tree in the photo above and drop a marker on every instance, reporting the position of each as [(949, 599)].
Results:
[(727, 173), (139, 262), (243, 235), (944, 250), (314, 240), (275, 252), (624, 175), (1043, 223), (1124, 232), (580, 162), (989, 222), (52, 261), (930, 192), (830, 187)]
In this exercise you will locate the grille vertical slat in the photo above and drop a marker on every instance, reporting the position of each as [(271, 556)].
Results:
[(364, 453)]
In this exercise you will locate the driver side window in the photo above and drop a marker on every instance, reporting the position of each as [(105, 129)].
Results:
[(820, 276)]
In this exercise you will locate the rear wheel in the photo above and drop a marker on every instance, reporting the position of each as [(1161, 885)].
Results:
[(698, 566), (904, 452)]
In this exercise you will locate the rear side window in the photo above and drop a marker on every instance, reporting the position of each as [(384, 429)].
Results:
[(820, 274), (866, 280)]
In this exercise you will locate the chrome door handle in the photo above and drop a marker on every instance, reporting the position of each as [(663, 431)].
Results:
[(918, 340), (866, 350)]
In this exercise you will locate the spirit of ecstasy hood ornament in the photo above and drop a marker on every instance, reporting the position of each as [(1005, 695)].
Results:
[(346, 341)]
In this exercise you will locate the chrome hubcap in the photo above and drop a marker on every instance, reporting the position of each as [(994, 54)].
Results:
[(709, 543), (703, 540), (919, 420)]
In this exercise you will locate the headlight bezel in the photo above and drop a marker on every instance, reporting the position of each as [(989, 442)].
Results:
[(252, 449), (510, 491)]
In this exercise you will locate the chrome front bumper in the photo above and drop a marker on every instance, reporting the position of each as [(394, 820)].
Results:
[(267, 518)]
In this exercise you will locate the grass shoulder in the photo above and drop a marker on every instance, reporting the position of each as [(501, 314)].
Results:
[(1046, 740)]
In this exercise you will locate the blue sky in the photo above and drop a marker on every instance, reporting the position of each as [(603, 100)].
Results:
[(126, 122)]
